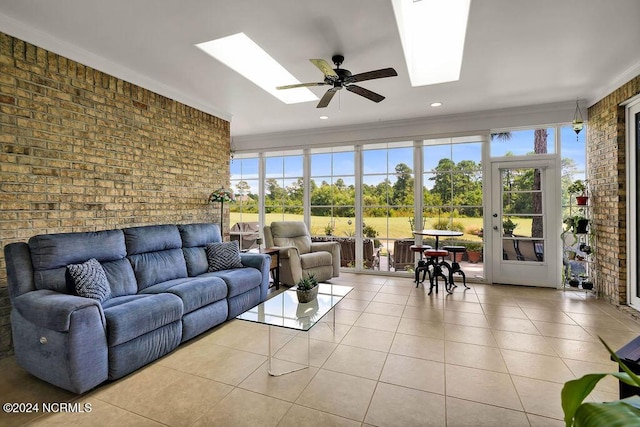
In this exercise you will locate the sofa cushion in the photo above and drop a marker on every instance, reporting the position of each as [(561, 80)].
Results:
[(315, 259), (139, 314), (239, 280), (151, 238), (194, 235), (51, 253), (120, 276), (89, 280), (58, 250), (156, 267), (195, 238), (195, 293), (196, 259), (223, 256)]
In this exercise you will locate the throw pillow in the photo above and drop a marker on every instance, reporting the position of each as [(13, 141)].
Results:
[(89, 280), (223, 256)]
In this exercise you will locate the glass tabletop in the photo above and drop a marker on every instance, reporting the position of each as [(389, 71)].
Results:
[(285, 311)]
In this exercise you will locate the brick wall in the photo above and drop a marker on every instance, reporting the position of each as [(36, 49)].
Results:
[(606, 164), (81, 150)]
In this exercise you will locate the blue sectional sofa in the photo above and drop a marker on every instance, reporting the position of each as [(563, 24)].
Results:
[(161, 294)]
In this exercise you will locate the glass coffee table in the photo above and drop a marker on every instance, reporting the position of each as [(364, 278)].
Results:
[(284, 311)]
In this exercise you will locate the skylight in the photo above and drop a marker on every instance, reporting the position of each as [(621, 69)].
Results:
[(432, 33), (245, 57)]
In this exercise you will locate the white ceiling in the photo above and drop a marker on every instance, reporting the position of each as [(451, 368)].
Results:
[(517, 53)]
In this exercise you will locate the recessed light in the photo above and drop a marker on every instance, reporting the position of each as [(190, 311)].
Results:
[(324, 117), (245, 57), (432, 35), (436, 104)]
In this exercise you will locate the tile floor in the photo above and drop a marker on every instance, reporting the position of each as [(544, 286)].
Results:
[(491, 355)]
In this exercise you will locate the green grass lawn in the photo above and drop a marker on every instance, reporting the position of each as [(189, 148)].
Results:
[(387, 228)]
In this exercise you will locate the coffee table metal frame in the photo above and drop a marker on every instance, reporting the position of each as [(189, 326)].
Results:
[(284, 311)]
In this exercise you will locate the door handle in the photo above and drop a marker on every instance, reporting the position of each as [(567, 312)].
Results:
[(495, 227)]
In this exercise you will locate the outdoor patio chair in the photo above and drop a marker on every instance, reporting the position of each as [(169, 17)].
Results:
[(246, 233)]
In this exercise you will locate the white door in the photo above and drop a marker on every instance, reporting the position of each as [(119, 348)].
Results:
[(524, 240)]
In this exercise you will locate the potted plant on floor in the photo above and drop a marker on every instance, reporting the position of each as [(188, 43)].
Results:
[(625, 412), (474, 252), (307, 289)]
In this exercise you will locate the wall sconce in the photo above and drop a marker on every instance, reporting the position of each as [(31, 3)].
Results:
[(578, 122)]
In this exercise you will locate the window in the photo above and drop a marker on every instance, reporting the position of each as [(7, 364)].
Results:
[(332, 189), (573, 149), (284, 187), (523, 142), (327, 186), (452, 190), (388, 200), (245, 184)]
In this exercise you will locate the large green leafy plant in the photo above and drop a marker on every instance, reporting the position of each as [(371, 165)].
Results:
[(622, 413)]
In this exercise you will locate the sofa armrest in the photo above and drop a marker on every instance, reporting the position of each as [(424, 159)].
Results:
[(261, 262), (255, 260), (334, 248), (61, 339), (53, 310)]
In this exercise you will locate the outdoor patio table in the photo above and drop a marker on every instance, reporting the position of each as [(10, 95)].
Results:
[(437, 266), (437, 234)]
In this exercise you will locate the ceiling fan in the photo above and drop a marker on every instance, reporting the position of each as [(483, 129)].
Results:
[(340, 78)]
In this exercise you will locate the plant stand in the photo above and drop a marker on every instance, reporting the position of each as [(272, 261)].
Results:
[(579, 251)]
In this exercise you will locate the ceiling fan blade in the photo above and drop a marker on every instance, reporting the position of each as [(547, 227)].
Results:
[(375, 97), (324, 67), (370, 75), (326, 99), (301, 85)]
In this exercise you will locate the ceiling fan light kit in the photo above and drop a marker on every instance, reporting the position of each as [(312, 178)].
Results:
[(340, 78)]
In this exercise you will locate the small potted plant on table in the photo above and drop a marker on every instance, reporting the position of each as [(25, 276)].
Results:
[(307, 289)]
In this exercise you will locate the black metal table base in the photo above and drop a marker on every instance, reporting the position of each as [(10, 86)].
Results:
[(434, 268)]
